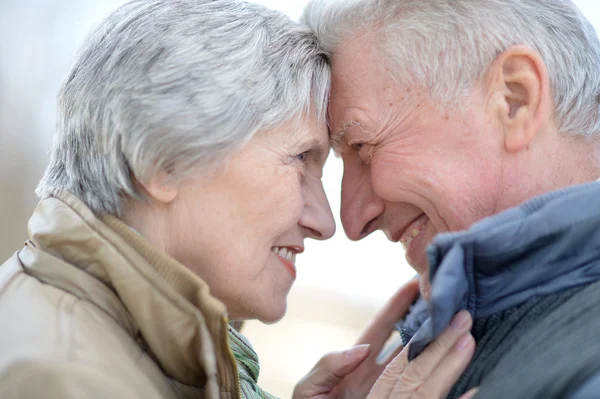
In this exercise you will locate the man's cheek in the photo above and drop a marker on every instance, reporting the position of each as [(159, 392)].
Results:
[(387, 181)]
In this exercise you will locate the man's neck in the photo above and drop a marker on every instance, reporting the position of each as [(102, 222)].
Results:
[(558, 163)]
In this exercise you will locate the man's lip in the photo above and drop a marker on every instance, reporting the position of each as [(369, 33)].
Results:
[(409, 226), (416, 248), (288, 265)]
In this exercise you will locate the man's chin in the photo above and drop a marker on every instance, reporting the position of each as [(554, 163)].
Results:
[(425, 285), (422, 268)]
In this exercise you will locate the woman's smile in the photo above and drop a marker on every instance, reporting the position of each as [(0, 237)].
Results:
[(287, 258)]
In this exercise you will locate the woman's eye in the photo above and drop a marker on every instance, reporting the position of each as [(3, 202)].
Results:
[(302, 157)]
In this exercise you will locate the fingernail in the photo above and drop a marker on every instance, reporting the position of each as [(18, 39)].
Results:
[(464, 342), (461, 320), (388, 351), (358, 351), (470, 394)]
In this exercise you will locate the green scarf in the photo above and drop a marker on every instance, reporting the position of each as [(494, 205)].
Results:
[(248, 367)]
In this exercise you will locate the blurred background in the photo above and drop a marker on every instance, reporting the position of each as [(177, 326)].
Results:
[(340, 285)]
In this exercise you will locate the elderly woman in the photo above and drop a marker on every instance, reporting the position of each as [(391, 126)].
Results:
[(185, 177)]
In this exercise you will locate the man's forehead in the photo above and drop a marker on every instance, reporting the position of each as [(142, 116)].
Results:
[(348, 106)]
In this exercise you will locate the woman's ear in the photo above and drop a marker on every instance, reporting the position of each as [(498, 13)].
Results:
[(521, 91)]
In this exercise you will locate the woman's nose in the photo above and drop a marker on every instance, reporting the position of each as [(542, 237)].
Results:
[(316, 220)]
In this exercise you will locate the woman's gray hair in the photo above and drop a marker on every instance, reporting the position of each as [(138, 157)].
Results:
[(446, 46), (172, 87)]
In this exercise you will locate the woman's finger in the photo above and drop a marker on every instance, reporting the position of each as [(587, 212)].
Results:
[(421, 367), (470, 394), (379, 330), (402, 379), (329, 371), (435, 370), (448, 371), (386, 383), (359, 383)]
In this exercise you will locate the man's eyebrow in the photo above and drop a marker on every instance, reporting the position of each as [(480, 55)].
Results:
[(336, 137)]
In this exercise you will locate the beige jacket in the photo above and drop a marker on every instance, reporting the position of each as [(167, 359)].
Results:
[(88, 309)]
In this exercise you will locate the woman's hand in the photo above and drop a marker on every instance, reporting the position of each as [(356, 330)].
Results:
[(433, 373), (351, 374), (324, 379)]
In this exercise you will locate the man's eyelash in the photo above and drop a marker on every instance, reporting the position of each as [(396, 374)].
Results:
[(357, 146)]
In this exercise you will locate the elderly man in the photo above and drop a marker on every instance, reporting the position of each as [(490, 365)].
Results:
[(470, 133)]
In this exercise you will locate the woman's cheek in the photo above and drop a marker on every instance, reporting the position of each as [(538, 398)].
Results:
[(289, 193)]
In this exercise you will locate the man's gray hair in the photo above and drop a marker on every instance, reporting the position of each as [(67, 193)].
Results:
[(172, 87), (446, 46)]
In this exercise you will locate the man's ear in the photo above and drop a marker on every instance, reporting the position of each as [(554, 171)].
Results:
[(521, 91), (161, 189)]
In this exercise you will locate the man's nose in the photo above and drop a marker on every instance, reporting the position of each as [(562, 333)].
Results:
[(361, 207), (316, 220)]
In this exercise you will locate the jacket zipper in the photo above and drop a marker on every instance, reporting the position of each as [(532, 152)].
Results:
[(232, 360)]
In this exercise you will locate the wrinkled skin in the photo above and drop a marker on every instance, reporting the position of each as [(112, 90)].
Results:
[(225, 225), (356, 374), (415, 169)]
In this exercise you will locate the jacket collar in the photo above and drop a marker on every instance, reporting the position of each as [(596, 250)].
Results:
[(151, 295), (548, 244)]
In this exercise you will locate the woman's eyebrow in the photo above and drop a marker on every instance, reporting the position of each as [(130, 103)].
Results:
[(319, 147)]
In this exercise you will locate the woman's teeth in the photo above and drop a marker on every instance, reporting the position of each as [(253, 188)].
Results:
[(285, 253)]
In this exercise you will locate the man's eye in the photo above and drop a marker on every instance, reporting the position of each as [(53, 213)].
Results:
[(358, 146)]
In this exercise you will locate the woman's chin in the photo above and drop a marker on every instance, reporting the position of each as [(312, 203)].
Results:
[(269, 313), (273, 315)]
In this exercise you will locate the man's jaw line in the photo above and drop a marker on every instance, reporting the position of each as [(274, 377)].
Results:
[(412, 238)]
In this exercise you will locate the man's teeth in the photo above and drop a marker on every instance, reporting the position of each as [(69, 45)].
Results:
[(406, 241), (285, 253)]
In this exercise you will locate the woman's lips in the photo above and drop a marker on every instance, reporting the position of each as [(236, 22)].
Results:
[(288, 265), (287, 256)]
